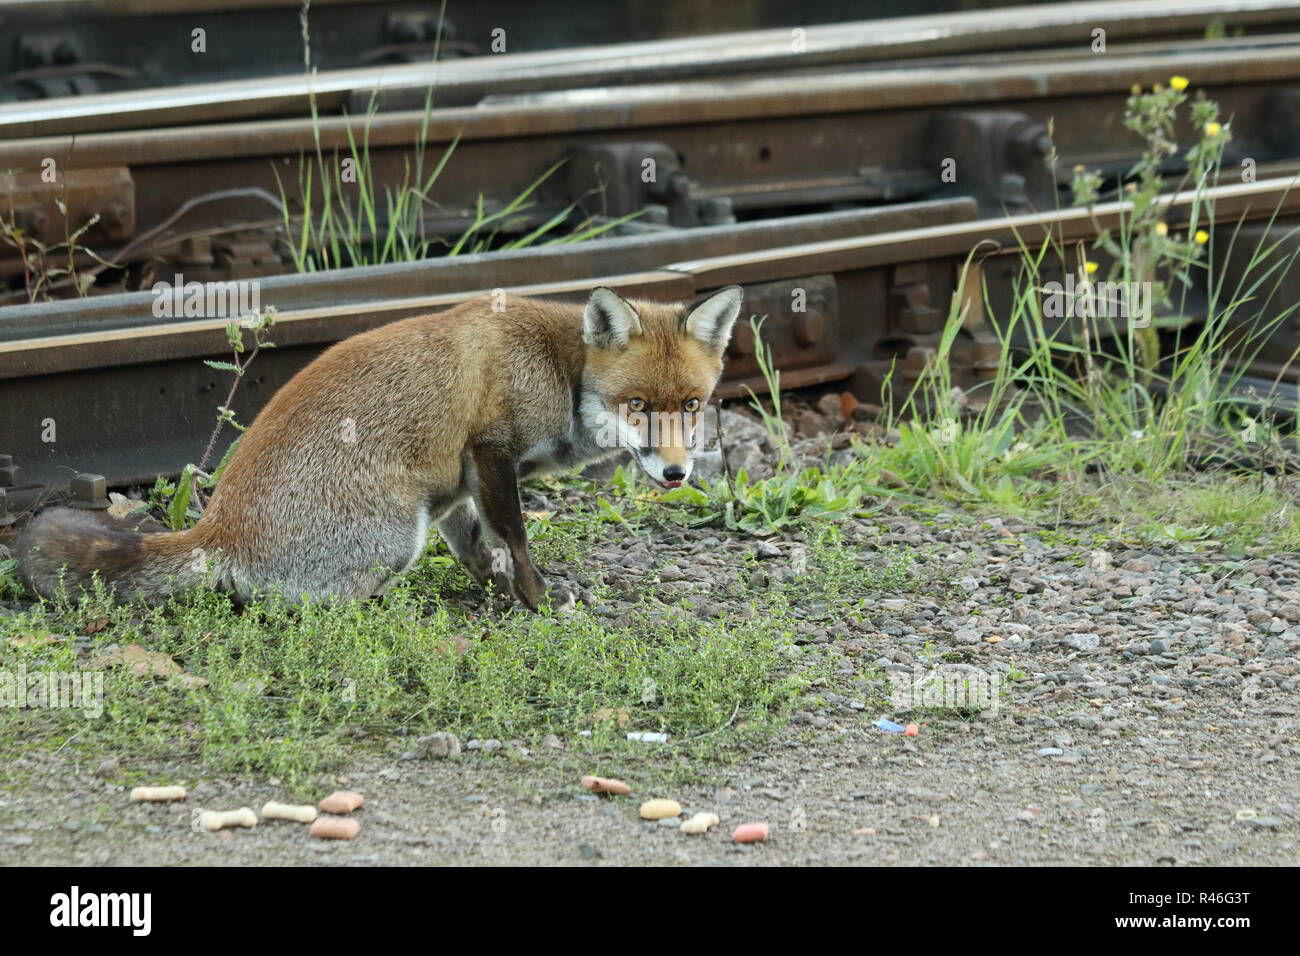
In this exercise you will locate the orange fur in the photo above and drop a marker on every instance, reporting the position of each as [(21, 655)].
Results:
[(431, 419)]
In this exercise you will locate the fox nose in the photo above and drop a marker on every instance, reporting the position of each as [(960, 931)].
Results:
[(674, 473)]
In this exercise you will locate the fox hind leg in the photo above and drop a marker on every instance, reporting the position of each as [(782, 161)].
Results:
[(338, 561)]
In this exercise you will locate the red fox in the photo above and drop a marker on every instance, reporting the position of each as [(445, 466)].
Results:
[(431, 420)]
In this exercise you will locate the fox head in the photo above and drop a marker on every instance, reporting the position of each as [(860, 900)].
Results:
[(651, 368)]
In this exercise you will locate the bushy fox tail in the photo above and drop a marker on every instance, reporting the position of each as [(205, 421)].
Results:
[(64, 547)]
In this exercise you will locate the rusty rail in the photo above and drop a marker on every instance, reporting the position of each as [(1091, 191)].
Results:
[(749, 53), (724, 149), (127, 391)]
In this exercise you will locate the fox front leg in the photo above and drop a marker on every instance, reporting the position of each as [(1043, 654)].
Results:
[(497, 498)]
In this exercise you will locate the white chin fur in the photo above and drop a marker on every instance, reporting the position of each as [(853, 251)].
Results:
[(653, 465)]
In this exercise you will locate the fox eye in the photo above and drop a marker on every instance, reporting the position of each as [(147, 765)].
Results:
[(692, 405), (636, 404)]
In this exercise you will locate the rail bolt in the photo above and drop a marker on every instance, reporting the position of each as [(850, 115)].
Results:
[(809, 327), (34, 52), (676, 185), (655, 214), (89, 491), (920, 320), (1031, 142), (10, 474), (66, 51), (117, 220), (916, 361), (715, 211)]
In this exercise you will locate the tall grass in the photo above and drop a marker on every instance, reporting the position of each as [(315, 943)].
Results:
[(1106, 393), (351, 217)]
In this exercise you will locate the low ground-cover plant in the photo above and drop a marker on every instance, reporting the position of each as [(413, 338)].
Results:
[(289, 690)]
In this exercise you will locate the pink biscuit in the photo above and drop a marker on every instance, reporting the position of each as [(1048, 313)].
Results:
[(606, 785), (750, 833), (341, 801), (335, 828)]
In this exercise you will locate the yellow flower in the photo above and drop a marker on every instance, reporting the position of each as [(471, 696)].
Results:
[(1213, 129), (1091, 267), (1135, 90), (1178, 82), (1201, 237), (1162, 229)]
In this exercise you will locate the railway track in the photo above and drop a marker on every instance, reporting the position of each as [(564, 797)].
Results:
[(823, 175), (127, 394), (206, 200), (79, 47), (918, 42)]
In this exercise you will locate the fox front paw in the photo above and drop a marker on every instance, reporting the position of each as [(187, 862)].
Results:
[(561, 599)]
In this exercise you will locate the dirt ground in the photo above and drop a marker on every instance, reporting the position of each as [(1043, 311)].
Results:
[(1150, 719), (976, 797)]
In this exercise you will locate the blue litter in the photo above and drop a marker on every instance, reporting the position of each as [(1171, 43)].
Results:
[(889, 727)]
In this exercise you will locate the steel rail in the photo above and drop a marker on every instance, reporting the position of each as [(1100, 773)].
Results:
[(1245, 201), (646, 283), (733, 54), (1278, 197), (48, 338), (858, 136), (667, 104)]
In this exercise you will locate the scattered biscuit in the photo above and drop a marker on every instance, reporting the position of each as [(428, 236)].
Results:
[(660, 809), (213, 820), (606, 785), (750, 833), (288, 811), (155, 794), (700, 823), (335, 828), (341, 801)]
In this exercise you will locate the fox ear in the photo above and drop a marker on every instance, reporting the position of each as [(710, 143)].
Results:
[(710, 321), (609, 319)]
